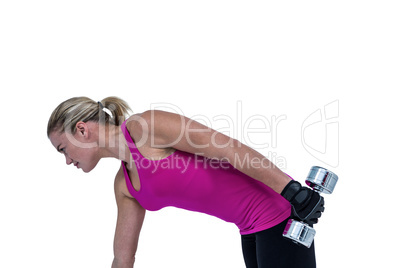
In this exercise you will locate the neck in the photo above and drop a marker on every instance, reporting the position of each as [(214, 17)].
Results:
[(113, 143)]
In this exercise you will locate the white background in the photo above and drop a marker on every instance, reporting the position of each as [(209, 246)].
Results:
[(204, 57)]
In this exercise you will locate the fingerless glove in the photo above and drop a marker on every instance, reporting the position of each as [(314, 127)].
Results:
[(307, 205)]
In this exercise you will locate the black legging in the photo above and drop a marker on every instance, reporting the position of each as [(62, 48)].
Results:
[(269, 249)]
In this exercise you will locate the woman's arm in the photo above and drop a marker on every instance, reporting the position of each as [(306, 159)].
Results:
[(182, 133), (129, 222)]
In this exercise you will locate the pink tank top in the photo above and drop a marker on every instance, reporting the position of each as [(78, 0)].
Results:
[(196, 183)]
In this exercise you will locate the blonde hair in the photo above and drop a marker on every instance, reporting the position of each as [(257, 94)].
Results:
[(70, 112)]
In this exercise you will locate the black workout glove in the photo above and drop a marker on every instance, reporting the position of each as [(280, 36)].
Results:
[(307, 205)]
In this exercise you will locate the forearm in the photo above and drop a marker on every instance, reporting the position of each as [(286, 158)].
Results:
[(122, 264), (257, 166)]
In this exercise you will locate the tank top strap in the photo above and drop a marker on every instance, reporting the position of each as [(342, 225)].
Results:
[(130, 142)]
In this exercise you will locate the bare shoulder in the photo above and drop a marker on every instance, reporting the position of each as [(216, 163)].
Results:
[(142, 129), (120, 186), (127, 205), (138, 125), (148, 118)]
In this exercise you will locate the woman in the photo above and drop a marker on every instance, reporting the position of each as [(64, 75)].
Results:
[(170, 160)]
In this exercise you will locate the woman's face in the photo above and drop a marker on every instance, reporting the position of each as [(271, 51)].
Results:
[(80, 149)]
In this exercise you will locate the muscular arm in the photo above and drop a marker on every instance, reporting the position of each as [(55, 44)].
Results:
[(177, 131), (129, 222)]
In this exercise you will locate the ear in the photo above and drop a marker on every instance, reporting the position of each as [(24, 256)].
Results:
[(82, 129)]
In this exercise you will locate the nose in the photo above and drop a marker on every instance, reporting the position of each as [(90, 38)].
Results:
[(68, 160)]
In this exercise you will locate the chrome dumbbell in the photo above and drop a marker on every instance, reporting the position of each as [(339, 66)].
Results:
[(320, 180)]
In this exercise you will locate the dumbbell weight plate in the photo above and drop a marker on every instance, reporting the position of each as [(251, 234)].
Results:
[(299, 232), (321, 180)]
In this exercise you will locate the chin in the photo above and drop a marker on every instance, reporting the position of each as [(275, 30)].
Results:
[(87, 169)]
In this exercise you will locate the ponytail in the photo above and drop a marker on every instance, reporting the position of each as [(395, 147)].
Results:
[(70, 112)]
